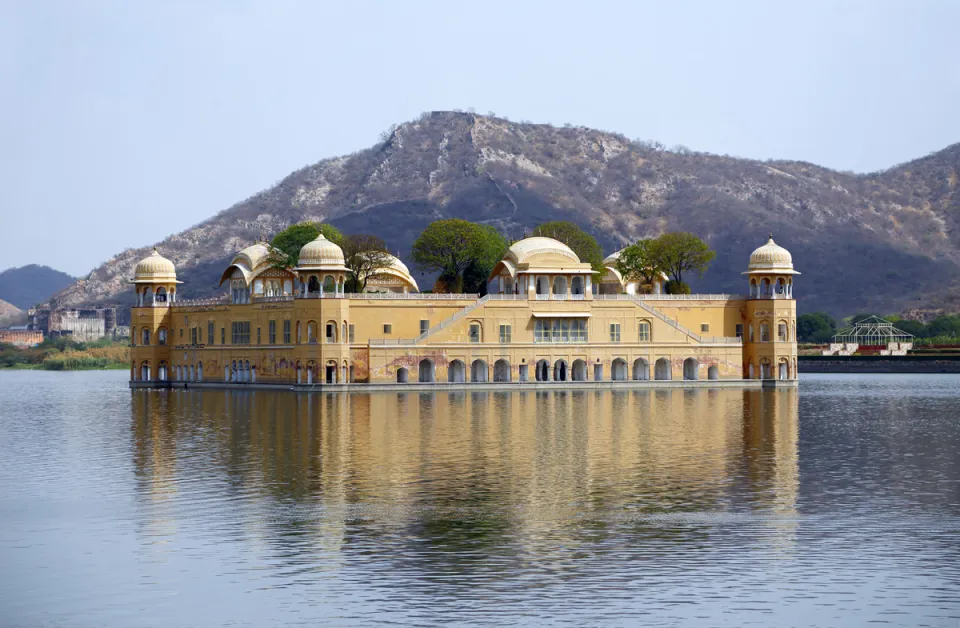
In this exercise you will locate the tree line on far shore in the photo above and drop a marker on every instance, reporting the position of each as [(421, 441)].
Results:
[(820, 327), (464, 253)]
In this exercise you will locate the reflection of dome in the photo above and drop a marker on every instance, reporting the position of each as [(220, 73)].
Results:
[(528, 247), (771, 258), (320, 253), (155, 268)]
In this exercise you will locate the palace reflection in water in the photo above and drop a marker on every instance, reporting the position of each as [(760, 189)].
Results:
[(437, 482)]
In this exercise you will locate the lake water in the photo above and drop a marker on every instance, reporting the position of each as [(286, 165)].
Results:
[(837, 504)]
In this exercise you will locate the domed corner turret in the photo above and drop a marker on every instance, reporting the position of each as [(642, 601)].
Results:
[(321, 268), (155, 278), (771, 272)]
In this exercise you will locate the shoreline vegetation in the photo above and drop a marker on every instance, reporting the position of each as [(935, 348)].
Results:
[(66, 354)]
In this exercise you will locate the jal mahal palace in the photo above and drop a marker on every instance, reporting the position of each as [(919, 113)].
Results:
[(545, 322)]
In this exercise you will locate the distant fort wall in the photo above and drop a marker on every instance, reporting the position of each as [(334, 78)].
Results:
[(20, 337), (83, 324)]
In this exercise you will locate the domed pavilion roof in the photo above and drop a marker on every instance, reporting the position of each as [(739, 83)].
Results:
[(320, 254), (155, 269), (771, 258)]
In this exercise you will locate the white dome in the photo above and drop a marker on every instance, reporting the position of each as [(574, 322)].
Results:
[(532, 246), (155, 268), (771, 258), (321, 254)]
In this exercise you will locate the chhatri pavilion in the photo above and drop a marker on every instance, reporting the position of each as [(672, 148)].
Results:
[(547, 320)]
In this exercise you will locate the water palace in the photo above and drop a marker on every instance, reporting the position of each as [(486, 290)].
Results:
[(545, 322)]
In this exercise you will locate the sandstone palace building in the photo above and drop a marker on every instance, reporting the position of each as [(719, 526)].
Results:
[(545, 322)]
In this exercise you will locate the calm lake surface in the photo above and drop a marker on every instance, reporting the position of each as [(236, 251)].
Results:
[(834, 505)]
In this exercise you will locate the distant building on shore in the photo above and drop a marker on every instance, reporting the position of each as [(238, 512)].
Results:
[(82, 324), (545, 321), (21, 337)]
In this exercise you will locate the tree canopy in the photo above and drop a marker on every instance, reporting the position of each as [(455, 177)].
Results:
[(818, 327), (681, 252), (289, 241), (580, 242), (640, 262), (365, 255), (453, 245)]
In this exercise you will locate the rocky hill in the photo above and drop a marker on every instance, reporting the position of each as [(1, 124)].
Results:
[(29, 285), (11, 314), (881, 241)]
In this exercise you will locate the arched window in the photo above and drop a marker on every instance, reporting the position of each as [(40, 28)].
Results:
[(330, 331), (311, 332), (576, 285), (133, 336), (782, 331), (145, 337), (644, 331), (161, 298), (313, 285), (750, 331), (329, 285), (162, 336), (764, 331), (560, 285), (475, 332), (343, 332)]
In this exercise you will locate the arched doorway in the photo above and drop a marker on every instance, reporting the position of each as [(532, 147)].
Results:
[(457, 372), (579, 371), (199, 371), (560, 370), (162, 371), (501, 371), (713, 372), (478, 371), (426, 371), (543, 371), (618, 370), (691, 369), (330, 372), (145, 371), (784, 370), (402, 375), (662, 369), (543, 285), (641, 370)]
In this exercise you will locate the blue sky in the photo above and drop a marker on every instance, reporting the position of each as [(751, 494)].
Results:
[(124, 121)]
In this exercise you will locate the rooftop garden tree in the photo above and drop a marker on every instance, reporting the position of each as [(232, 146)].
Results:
[(452, 246), (365, 255), (641, 262)]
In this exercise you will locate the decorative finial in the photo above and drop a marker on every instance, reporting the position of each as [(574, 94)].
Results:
[(771, 236), (155, 251)]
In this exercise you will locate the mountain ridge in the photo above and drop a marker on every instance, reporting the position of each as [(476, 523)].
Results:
[(863, 241), (26, 286)]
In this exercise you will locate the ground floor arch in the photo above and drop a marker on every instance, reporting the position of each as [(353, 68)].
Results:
[(691, 369), (501, 370), (661, 370), (457, 372), (641, 369), (578, 371), (425, 371), (403, 376), (618, 370), (713, 372), (478, 371), (543, 371), (560, 370)]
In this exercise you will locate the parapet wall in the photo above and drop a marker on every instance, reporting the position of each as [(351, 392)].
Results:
[(21, 338)]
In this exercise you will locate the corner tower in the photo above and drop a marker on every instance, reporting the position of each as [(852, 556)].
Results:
[(770, 337), (155, 279)]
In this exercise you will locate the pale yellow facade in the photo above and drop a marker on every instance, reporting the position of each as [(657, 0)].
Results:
[(543, 322)]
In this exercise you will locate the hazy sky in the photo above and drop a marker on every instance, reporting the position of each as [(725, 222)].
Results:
[(122, 122)]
